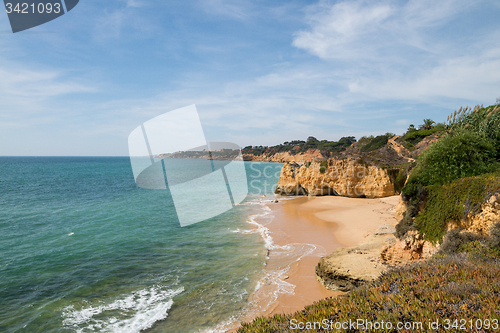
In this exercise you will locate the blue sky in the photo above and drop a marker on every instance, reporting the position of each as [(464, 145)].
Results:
[(259, 72)]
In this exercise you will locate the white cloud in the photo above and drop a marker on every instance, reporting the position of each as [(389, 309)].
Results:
[(469, 77), (352, 30), (395, 50), (335, 27)]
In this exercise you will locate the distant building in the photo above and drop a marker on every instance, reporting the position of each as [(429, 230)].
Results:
[(226, 150)]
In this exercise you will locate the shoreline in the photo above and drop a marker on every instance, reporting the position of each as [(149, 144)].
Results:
[(329, 222), (312, 228)]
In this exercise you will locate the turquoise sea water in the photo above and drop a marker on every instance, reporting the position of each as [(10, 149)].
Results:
[(83, 249)]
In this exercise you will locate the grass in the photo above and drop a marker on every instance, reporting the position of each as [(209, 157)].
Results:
[(460, 286)]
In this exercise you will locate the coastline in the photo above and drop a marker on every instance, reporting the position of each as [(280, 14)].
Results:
[(311, 228)]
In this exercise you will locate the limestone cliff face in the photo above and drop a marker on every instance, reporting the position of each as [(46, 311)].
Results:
[(335, 177), (481, 222), (310, 155)]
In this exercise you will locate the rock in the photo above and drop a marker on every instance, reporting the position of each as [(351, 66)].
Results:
[(481, 222), (351, 267), (342, 177), (411, 248), (426, 143), (385, 229), (399, 148), (400, 209), (283, 157)]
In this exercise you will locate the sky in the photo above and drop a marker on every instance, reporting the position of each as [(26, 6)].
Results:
[(259, 72)]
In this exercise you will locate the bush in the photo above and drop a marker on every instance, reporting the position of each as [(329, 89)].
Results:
[(323, 166), (481, 120), (375, 143), (460, 154), (406, 224), (455, 239), (414, 136), (495, 236)]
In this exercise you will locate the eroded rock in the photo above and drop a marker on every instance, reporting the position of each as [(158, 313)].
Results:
[(350, 267), (335, 177), (412, 247)]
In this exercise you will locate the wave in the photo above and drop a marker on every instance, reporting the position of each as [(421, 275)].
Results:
[(133, 313)]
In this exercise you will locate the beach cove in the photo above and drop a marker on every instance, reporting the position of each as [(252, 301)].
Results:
[(313, 227)]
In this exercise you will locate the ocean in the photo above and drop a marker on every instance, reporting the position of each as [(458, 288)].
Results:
[(84, 249)]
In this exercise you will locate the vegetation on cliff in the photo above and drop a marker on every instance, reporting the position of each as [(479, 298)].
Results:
[(327, 148), (456, 175)]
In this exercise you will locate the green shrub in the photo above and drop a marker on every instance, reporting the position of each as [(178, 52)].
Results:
[(406, 224), (459, 154), (399, 180), (485, 121), (375, 143), (323, 166), (414, 136), (455, 240), (365, 139), (495, 236)]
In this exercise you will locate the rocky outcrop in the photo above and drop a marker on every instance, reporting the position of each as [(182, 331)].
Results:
[(411, 248), (399, 148), (335, 177), (426, 143), (288, 183), (351, 267), (481, 222), (284, 157), (400, 209)]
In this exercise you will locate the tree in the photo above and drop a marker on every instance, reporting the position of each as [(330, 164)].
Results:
[(347, 140), (312, 139), (428, 124)]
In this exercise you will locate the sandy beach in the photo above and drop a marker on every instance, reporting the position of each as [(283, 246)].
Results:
[(326, 223), (303, 230)]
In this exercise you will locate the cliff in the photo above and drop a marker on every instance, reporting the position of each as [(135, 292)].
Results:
[(337, 177), (283, 157), (480, 223)]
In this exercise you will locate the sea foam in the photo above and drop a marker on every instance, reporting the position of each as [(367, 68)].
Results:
[(137, 311)]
